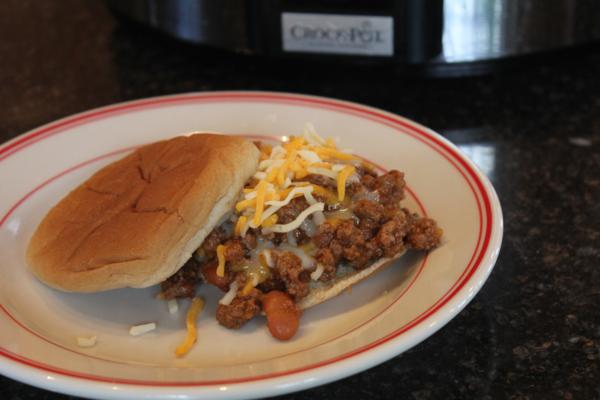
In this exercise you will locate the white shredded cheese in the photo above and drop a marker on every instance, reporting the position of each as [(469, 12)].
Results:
[(279, 228), (309, 197), (264, 164), (323, 171), (290, 196), (311, 135), (275, 205), (173, 306), (86, 341), (275, 164), (141, 329), (309, 156), (260, 175), (316, 274), (338, 167), (278, 152), (268, 258), (230, 295), (287, 182)]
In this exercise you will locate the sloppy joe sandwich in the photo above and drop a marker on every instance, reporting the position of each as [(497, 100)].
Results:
[(135, 222), (277, 227)]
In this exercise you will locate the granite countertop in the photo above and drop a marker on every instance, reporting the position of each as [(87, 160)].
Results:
[(534, 329)]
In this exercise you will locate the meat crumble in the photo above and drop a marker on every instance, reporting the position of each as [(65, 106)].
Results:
[(368, 225)]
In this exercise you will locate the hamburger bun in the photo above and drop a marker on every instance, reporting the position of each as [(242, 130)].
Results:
[(136, 221), (345, 278)]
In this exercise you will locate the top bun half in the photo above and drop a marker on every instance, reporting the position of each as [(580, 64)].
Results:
[(136, 221)]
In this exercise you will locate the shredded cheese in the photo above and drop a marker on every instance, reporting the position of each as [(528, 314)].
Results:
[(190, 322), (278, 228), (341, 182), (291, 194), (241, 205), (260, 175), (323, 171), (141, 329), (332, 153), (172, 306), (239, 225), (251, 284), (230, 295), (86, 341), (221, 258), (316, 274), (260, 201), (309, 156), (330, 198), (277, 180), (268, 222), (268, 259)]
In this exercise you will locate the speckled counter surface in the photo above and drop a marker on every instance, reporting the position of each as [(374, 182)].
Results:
[(534, 329)]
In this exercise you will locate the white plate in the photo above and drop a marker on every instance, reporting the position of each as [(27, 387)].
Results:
[(377, 320)]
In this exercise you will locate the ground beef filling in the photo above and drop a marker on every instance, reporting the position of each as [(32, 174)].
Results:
[(183, 283), (375, 226), (241, 310)]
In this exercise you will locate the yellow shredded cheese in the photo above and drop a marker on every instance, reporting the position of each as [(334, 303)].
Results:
[(282, 173), (280, 169), (221, 258), (341, 181), (265, 151), (272, 175), (248, 287), (301, 173), (325, 152), (241, 205), (325, 165), (239, 225), (329, 197), (190, 322), (260, 201), (272, 220)]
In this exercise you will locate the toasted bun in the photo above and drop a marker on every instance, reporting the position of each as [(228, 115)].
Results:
[(345, 278), (135, 222)]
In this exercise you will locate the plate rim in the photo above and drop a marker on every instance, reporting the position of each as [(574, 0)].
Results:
[(281, 383)]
